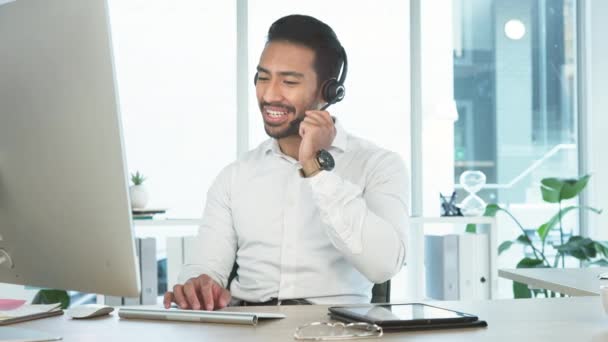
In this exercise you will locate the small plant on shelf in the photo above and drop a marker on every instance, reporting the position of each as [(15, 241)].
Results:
[(138, 192), (137, 178)]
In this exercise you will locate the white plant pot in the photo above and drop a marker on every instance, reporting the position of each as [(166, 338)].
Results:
[(139, 196)]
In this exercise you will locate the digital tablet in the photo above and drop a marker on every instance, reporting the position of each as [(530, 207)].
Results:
[(401, 315)]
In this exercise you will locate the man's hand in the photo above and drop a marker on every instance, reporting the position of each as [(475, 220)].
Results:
[(317, 131), (200, 293)]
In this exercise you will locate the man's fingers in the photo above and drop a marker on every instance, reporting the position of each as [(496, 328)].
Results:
[(224, 299), (305, 126), (191, 296), (323, 117), (311, 121), (168, 299), (207, 292), (180, 298)]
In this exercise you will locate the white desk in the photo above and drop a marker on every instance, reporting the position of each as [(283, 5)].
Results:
[(554, 319), (569, 281)]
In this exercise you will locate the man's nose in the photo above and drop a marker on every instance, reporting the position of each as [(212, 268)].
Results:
[(272, 92)]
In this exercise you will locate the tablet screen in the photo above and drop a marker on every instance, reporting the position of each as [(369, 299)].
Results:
[(402, 312)]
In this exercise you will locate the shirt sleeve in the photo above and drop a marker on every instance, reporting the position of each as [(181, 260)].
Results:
[(368, 226), (216, 242)]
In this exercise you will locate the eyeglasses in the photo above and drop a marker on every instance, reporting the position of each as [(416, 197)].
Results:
[(325, 331)]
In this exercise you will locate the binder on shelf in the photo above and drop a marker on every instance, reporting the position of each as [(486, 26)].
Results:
[(149, 271), (457, 266), (441, 269)]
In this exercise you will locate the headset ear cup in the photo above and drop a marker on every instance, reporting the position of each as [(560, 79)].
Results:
[(329, 90), (340, 92), (255, 79), (333, 91)]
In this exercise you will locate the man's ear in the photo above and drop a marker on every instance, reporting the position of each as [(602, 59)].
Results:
[(320, 101)]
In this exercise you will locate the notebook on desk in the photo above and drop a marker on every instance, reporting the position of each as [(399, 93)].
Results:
[(28, 312)]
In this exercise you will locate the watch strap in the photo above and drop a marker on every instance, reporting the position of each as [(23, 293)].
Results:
[(310, 167)]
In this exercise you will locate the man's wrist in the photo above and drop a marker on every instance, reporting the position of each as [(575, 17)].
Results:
[(310, 167)]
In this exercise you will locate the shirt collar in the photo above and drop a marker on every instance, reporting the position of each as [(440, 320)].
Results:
[(340, 141)]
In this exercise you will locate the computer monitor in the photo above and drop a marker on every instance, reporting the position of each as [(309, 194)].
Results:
[(65, 219)]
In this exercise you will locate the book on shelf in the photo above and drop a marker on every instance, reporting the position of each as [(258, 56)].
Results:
[(146, 213)]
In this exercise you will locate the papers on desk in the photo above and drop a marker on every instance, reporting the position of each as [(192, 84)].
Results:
[(228, 317), (10, 304), (29, 312)]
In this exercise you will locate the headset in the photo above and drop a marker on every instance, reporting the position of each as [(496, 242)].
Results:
[(333, 90)]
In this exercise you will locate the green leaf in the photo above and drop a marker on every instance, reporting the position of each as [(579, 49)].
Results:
[(471, 228), (504, 246), (491, 210), (572, 187), (551, 188), (555, 190), (52, 297), (530, 263), (137, 178), (521, 290), (524, 240), (546, 227), (601, 248), (579, 247)]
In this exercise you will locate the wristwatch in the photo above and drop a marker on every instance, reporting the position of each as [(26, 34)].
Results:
[(322, 161)]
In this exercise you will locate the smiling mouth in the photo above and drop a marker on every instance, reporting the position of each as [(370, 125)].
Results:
[(275, 116)]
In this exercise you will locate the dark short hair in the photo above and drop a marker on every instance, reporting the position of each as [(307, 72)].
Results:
[(314, 34)]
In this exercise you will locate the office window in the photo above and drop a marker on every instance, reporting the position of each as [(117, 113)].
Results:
[(504, 75), (515, 88), (175, 64)]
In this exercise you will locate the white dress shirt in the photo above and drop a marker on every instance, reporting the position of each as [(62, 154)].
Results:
[(326, 238)]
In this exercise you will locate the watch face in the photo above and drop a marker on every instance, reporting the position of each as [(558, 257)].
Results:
[(325, 160)]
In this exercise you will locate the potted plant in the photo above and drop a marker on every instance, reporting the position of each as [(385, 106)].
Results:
[(587, 251), (50, 296), (138, 191)]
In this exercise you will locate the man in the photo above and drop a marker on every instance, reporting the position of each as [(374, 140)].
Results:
[(298, 231)]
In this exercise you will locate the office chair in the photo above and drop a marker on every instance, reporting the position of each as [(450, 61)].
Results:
[(381, 293)]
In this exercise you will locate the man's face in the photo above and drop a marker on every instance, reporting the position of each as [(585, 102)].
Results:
[(287, 87)]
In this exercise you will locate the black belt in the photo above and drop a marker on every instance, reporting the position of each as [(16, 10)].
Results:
[(276, 301)]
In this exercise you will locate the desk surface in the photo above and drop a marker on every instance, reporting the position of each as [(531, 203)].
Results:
[(553, 319), (569, 281)]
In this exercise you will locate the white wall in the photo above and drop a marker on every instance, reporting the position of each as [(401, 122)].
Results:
[(175, 65)]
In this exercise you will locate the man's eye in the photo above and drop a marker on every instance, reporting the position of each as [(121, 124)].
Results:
[(291, 82), (262, 78)]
